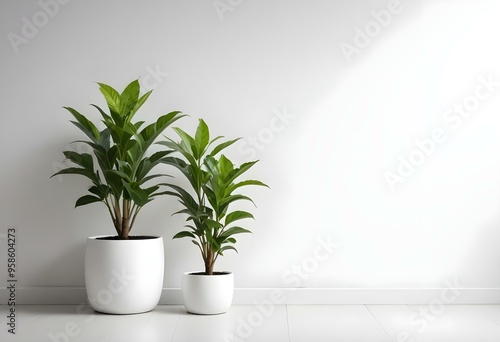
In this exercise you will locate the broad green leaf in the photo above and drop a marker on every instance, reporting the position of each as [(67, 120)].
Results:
[(230, 199), (151, 190), (233, 187), (85, 125), (100, 191), (152, 131), (87, 199), (78, 171), (105, 116), (129, 98), (239, 171), (113, 98), (104, 139), (202, 137), (235, 230), (138, 195), (84, 159), (187, 199), (140, 102), (188, 144), (225, 166), (121, 174), (237, 215), (212, 224), (130, 145), (116, 132), (225, 248), (222, 146), (145, 179), (184, 234), (115, 182), (197, 244)]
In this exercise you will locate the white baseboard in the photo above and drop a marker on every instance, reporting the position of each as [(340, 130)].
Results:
[(242, 296)]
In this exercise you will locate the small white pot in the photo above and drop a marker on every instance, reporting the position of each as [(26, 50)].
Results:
[(207, 294), (124, 276)]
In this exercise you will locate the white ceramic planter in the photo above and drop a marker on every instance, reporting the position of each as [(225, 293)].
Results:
[(124, 276), (207, 294)]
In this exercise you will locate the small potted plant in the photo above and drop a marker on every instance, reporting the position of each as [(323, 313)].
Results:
[(214, 187), (123, 273)]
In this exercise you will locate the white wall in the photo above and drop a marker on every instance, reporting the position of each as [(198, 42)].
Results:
[(351, 118)]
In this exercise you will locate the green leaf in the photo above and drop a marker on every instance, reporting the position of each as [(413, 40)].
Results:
[(145, 179), (225, 248), (101, 191), (140, 102), (138, 195), (222, 146), (87, 199), (85, 125), (225, 166), (212, 224), (186, 198), (230, 199), (196, 243), (147, 164), (235, 230), (115, 182), (113, 98), (188, 144), (237, 215), (78, 171), (202, 137), (233, 187), (105, 116), (104, 139), (129, 98), (184, 234), (239, 171), (152, 131), (84, 159)]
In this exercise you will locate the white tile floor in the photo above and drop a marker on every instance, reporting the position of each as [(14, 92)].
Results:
[(284, 323)]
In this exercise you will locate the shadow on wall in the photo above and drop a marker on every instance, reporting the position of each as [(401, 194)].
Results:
[(482, 259)]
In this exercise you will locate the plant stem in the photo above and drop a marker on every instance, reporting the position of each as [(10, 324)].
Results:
[(125, 220), (209, 263)]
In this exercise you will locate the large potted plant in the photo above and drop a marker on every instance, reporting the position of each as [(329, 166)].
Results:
[(123, 273), (214, 188)]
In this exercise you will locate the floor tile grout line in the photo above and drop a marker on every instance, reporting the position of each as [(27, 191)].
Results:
[(176, 323), (492, 321), (288, 324), (149, 320), (380, 324)]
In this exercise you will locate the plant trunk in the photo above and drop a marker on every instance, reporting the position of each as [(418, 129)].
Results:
[(209, 263), (209, 269), (125, 220), (124, 234)]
